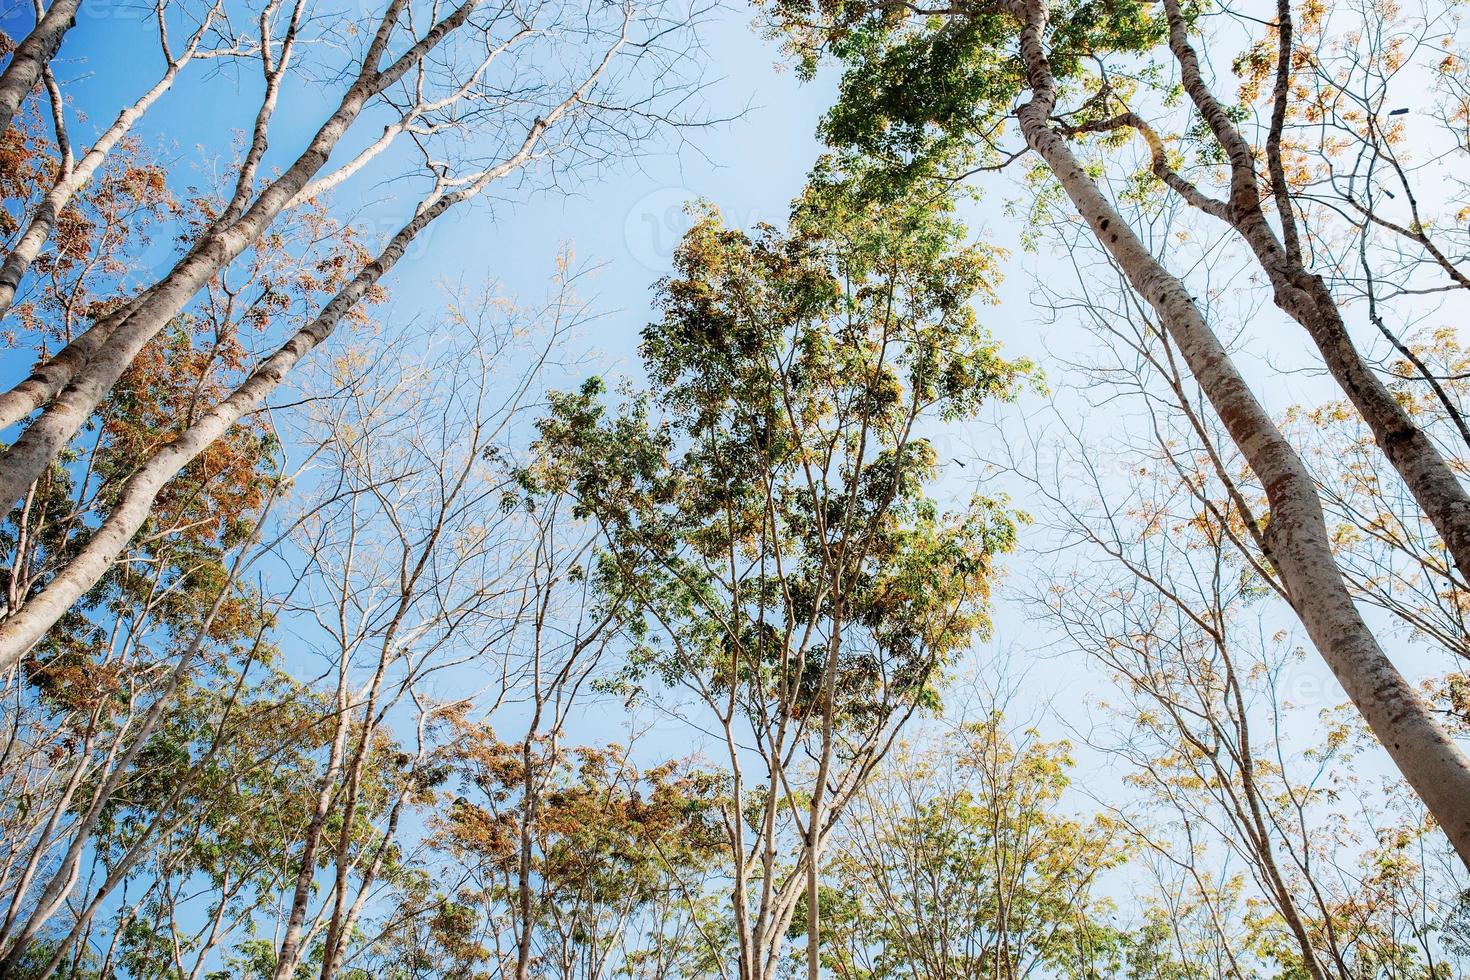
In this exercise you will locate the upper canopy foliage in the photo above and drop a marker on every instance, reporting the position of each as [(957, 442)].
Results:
[(770, 493), (928, 89)]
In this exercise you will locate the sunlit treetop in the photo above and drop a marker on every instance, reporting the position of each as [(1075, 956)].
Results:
[(927, 88), (773, 486)]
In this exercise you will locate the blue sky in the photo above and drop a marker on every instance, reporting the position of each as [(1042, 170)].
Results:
[(625, 219)]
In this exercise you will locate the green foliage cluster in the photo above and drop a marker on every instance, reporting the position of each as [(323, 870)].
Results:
[(773, 487)]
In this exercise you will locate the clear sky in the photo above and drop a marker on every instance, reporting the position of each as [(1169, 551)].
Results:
[(626, 218)]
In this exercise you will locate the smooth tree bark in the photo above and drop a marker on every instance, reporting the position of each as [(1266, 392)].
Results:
[(584, 108), (1172, 630), (447, 609), (1296, 536), (31, 56)]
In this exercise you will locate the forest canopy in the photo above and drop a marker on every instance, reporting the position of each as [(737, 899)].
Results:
[(1001, 510)]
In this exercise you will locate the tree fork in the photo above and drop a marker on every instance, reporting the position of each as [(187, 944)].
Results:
[(1301, 551)]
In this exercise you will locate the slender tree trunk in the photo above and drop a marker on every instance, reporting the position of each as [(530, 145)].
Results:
[(31, 56), (1298, 544), (531, 804), (290, 951), (336, 951), (817, 813), (59, 810), (337, 935), (525, 910)]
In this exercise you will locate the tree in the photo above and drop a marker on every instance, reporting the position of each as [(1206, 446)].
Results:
[(1265, 831), (460, 59), (398, 560), (961, 862), (772, 527), (616, 857)]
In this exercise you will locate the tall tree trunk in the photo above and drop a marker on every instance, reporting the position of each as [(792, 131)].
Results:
[(290, 950), (1297, 540), (31, 56), (817, 812)]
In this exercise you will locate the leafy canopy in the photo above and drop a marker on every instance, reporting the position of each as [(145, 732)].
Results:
[(768, 497)]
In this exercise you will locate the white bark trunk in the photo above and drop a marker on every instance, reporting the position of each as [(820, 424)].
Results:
[(31, 56), (1299, 546)]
